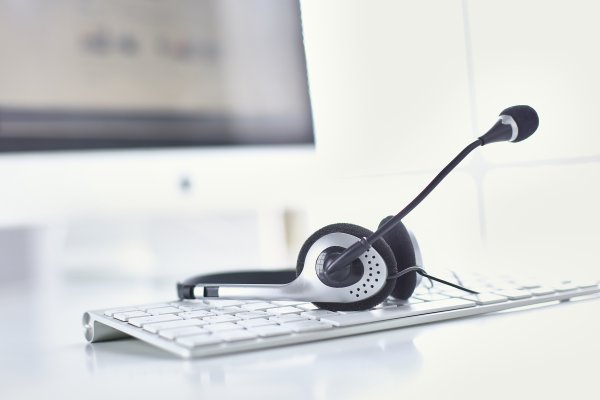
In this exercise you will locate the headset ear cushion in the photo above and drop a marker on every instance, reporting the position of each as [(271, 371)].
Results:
[(380, 246), (399, 241)]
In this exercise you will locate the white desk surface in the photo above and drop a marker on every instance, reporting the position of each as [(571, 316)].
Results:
[(549, 352)]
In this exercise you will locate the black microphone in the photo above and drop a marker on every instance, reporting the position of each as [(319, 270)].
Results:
[(515, 124)]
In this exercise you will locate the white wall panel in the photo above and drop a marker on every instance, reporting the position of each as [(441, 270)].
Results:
[(542, 53), (385, 76), (446, 223), (388, 82), (544, 220)]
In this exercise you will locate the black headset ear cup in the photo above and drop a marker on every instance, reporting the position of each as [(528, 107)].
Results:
[(399, 241), (380, 246)]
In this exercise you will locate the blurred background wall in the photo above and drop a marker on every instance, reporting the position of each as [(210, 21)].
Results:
[(397, 89)]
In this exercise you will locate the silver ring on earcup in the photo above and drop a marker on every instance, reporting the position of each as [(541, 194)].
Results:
[(314, 246)]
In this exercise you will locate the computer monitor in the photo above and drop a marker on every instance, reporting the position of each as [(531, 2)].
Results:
[(189, 75), (136, 108)]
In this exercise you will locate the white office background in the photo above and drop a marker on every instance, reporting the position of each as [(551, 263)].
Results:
[(397, 88)]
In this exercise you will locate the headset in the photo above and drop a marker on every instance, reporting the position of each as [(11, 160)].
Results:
[(345, 267)]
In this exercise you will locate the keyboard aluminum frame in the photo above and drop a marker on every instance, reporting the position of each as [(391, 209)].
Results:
[(98, 327)]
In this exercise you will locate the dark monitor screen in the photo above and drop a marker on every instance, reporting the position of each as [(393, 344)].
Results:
[(89, 74)]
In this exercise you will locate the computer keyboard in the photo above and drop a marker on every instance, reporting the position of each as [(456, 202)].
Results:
[(198, 328)]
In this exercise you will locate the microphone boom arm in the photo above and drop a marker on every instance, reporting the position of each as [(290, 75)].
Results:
[(353, 252)]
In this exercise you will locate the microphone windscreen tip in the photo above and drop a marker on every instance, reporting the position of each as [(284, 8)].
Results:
[(526, 118)]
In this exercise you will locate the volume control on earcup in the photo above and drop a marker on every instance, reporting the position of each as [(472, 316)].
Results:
[(399, 241), (357, 231)]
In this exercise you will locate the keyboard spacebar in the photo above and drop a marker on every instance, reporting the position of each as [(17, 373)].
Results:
[(363, 317)]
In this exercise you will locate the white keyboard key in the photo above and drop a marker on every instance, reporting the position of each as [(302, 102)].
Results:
[(484, 299), (284, 319), (479, 288), (179, 332), (527, 285), (307, 306), (147, 307), (502, 288), (225, 326), (316, 314), (565, 286), (196, 314), (220, 303), (307, 326), (180, 323), (110, 313), (454, 292), (283, 310), (270, 330), (283, 303), (199, 340), (256, 306), (227, 310), (514, 294), (141, 321), (542, 291), (431, 296), (256, 322), (402, 302), (216, 319), (385, 305), (235, 336), (131, 314), (421, 290), (427, 307), (252, 314), (192, 307), (164, 310), (586, 285)]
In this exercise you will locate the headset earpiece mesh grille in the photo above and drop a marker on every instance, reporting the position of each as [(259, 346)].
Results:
[(381, 247)]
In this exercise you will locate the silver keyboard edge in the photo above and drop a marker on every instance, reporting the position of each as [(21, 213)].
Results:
[(97, 317)]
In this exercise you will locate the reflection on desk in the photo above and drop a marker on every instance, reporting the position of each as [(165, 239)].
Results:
[(547, 352)]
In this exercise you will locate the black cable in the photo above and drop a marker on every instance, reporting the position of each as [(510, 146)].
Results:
[(405, 271), (433, 278), (422, 272)]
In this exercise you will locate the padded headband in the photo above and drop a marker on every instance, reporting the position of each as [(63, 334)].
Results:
[(277, 277)]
